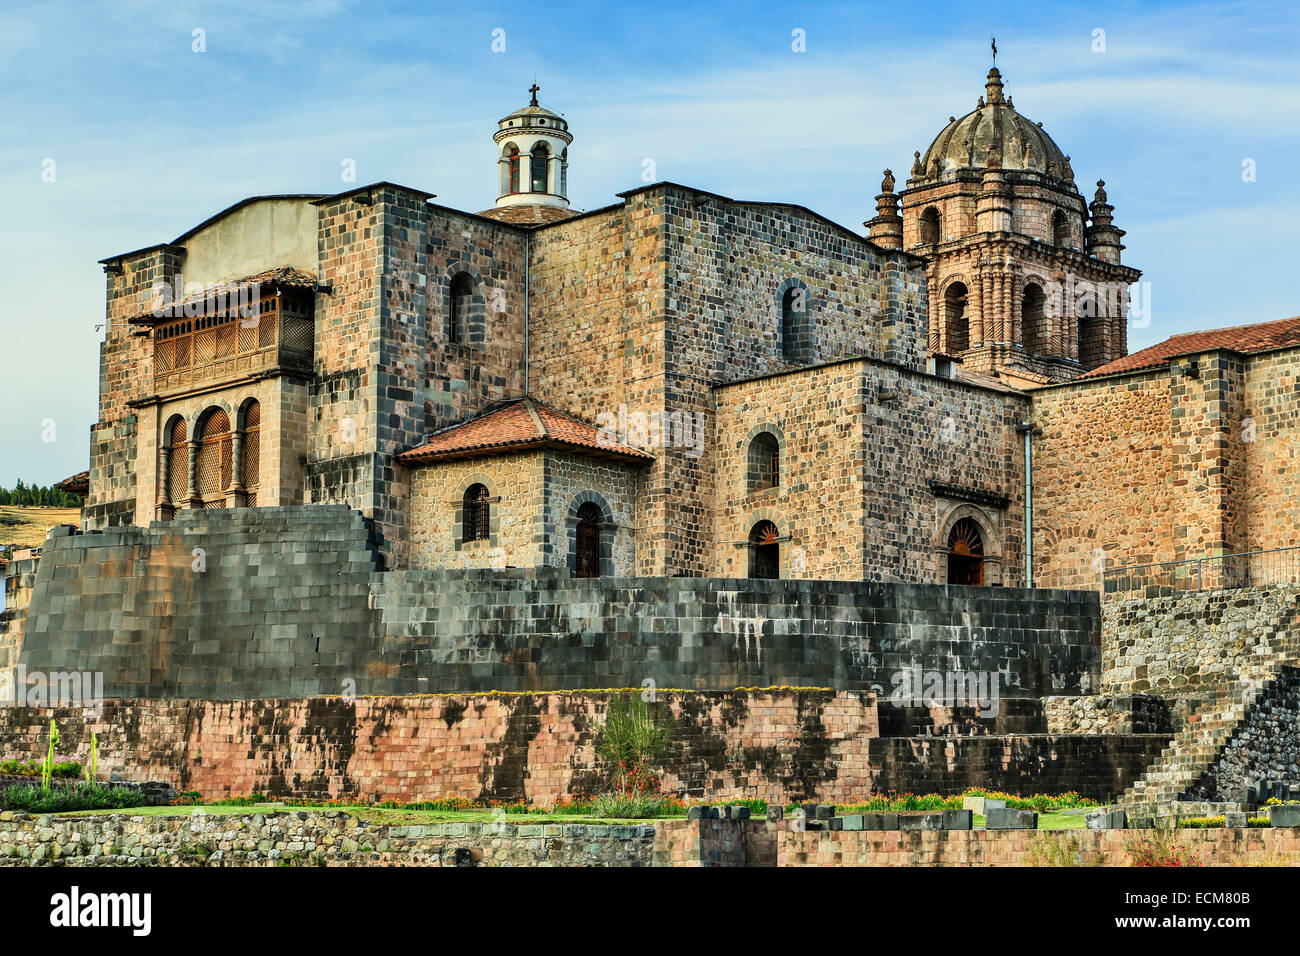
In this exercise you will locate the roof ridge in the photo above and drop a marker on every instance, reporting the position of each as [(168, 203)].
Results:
[(537, 419)]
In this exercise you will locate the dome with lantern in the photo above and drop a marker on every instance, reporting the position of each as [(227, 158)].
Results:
[(992, 134)]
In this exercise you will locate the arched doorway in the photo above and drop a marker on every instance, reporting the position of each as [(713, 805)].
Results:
[(965, 553), (586, 545), (764, 551)]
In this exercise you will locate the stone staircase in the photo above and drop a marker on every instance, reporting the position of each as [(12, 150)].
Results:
[(1209, 728)]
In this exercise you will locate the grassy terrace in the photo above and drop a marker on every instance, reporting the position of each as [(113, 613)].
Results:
[(26, 527)]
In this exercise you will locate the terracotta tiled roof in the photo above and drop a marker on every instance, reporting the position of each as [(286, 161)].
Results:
[(285, 277), (78, 484), (1261, 337), (528, 214), (521, 425)]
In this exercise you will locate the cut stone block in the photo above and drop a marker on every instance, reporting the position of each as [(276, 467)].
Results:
[(1004, 819)]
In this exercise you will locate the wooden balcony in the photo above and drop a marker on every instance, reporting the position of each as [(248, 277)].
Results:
[(231, 345)]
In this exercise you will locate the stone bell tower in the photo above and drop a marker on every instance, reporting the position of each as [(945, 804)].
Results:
[(532, 165), (1021, 284)]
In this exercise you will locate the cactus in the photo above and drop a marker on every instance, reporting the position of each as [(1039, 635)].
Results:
[(92, 766), (47, 766)]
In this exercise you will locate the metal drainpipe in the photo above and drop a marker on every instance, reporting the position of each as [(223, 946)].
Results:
[(528, 245), (1027, 429)]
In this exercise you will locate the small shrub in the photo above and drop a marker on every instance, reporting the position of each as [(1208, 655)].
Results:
[(248, 801), (80, 796), (634, 806), (632, 739), (1056, 851), (1160, 848), (1202, 823)]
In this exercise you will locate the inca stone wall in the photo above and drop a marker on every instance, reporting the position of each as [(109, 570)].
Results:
[(778, 745), (20, 578), (265, 602)]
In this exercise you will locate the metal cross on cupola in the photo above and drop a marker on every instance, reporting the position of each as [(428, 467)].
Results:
[(534, 89)]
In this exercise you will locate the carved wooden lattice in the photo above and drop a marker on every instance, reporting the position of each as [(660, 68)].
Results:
[(178, 465), (252, 448), (212, 471), (228, 343)]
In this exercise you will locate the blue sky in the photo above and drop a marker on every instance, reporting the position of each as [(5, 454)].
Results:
[(149, 137)]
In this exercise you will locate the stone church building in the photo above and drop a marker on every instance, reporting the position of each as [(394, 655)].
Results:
[(685, 384)]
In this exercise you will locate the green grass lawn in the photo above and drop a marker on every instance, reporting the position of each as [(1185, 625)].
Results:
[(376, 815), (1054, 820)]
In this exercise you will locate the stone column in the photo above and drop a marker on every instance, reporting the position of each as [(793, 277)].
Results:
[(236, 489), (165, 509), (191, 484)]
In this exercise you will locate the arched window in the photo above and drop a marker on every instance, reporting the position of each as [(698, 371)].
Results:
[(587, 541), (956, 322), (462, 295), (1035, 329), (477, 510), (251, 451), (540, 160), (795, 340), (965, 553), (512, 160), (1092, 332), (1060, 229), (764, 551), (212, 467), (930, 226), (764, 469), (178, 463)]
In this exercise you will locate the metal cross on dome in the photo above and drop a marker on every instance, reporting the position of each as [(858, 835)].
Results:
[(995, 51), (534, 89)]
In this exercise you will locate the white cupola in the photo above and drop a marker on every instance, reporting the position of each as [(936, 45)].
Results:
[(533, 157)]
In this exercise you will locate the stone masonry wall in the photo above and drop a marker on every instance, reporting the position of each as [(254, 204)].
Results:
[(1270, 439), (1197, 643), (20, 578), (326, 838), (1222, 847), (873, 437), (334, 838), (779, 745), (1265, 747), (1177, 463), (289, 602)]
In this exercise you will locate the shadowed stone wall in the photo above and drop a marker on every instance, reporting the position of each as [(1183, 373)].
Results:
[(779, 745), (288, 602)]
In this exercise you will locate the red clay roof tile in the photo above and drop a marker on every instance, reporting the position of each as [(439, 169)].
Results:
[(1260, 337), (517, 426)]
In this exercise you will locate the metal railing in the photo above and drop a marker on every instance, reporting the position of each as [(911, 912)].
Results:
[(1247, 569)]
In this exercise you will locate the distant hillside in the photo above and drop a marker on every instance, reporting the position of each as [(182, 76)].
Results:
[(26, 527)]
